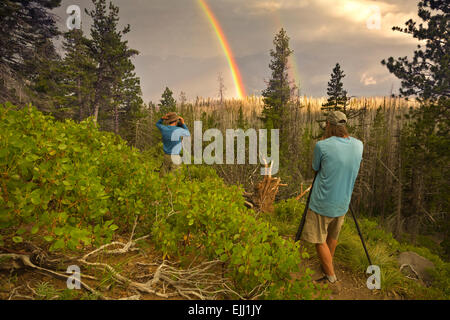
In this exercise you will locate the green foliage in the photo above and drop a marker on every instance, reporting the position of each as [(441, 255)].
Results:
[(425, 143), (63, 180), (278, 92), (289, 210), (241, 122), (74, 186), (213, 219), (425, 153), (427, 75), (27, 29), (167, 102), (117, 91), (384, 249), (47, 291), (74, 94), (337, 96)]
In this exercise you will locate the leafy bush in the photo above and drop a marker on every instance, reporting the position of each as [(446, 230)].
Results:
[(289, 210), (74, 186)]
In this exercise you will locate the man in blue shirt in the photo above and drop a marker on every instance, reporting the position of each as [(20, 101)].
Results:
[(172, 132), (337, 158)]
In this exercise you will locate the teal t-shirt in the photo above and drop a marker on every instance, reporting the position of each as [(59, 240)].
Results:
[(337, 161)]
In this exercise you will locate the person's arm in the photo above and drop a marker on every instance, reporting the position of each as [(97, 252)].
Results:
[(159, 124), (186, 133), (317, 158)]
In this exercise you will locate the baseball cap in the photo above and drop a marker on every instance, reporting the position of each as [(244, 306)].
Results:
[(337, 118)]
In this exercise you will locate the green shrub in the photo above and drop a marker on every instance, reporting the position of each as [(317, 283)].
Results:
[(75, 186), (289, 210)]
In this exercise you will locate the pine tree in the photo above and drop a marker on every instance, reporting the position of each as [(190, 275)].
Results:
[(277, 95), (117, 88), (26, 50), (76, 88), (167, 102), (425, 139), (128, 103), (338, 99), (337, 96), (115, 82), (42, 81), (242, 123), (427, 76)]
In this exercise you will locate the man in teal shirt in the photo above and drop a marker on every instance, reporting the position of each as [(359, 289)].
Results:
[(337, 159), (172, 132)]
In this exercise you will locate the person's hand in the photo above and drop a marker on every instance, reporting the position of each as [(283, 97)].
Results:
[(181, 120)]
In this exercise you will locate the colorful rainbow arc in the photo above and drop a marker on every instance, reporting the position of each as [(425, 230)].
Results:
[(237, 79)]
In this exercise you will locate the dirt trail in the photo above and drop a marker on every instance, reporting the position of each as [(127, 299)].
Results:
[(352, 286)]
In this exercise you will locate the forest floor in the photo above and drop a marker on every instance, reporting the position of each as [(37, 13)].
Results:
[(140, 267), (351, 286), (27, 284)]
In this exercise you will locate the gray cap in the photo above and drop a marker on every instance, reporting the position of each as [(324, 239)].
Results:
[(337, 118)]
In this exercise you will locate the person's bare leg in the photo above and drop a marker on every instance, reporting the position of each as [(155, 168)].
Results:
[(326, 258), (332, 243)]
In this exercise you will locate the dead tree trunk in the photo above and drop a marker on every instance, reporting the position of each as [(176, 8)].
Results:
[(265, 192)]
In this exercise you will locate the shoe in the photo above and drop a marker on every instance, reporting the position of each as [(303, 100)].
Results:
[(335, 287), (321, 280)]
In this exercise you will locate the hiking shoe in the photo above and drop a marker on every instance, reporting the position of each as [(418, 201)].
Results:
[(321, 280), (335, 287)]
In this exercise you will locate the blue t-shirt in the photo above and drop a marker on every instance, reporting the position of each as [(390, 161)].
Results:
[(337, 160), (171, 136)]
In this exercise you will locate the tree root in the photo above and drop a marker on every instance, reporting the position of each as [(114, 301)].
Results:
[(168, 280), (21, 261)]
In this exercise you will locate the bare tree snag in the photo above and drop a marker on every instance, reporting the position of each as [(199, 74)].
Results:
[(265, 191), (303, 193)]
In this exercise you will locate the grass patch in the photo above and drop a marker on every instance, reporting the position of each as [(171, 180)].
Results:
[(383, 249)]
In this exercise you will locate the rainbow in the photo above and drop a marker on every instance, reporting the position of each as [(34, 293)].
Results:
[(237, 79)]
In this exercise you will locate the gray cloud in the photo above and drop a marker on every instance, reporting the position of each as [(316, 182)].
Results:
[(178, 47)]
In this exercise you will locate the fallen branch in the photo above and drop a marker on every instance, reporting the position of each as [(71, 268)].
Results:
[(24, 261), (195, 282), (301, 195)]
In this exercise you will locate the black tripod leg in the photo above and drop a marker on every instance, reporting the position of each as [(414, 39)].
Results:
[(303, 221), (360, 235)]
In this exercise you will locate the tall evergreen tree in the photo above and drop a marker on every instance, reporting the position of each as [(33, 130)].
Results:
[(77, 71), (427, 76), (167, 102), (337, 96), (26, 30), (277, 95), (43, 77), (425, 140), (116, 86), (338, 99)]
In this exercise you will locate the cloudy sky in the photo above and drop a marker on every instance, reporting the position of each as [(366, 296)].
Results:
[(179, 49)]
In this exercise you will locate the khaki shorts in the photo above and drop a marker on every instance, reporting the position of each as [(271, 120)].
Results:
[(318, 227), (168, 164)]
